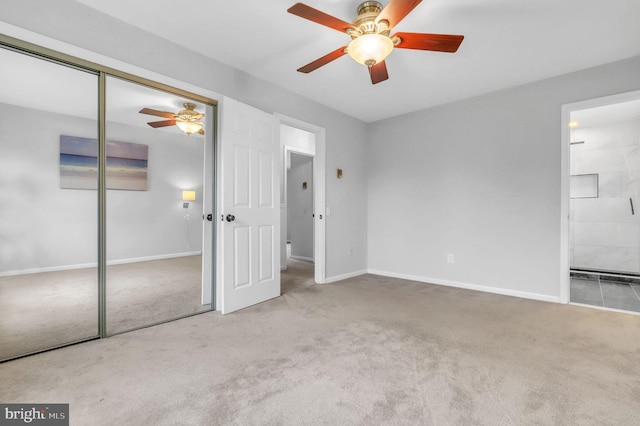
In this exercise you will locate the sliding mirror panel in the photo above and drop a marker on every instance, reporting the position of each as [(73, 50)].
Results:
[(154, 217), (48, 204)]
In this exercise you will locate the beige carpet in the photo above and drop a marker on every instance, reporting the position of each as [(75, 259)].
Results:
[(39, 311), (364, 351)]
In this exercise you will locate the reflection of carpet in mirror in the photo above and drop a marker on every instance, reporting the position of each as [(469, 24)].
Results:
[(39, 311)]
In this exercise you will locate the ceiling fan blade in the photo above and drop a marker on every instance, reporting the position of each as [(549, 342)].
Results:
[(157, 113), (323, 61), (165, 123), (319, 17), (378, 72), (434, 42), (396, 10)]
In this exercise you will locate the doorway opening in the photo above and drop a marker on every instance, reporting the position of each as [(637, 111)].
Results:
[(601, 140), (299, 221), (302, 212)]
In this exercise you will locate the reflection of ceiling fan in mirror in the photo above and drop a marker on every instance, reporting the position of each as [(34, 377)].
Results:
[(187, 119)]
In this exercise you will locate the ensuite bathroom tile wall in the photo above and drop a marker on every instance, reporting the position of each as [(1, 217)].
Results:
[(604, 231)]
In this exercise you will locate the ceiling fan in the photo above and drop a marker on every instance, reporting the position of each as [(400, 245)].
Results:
[(187, 119), (370, 40)]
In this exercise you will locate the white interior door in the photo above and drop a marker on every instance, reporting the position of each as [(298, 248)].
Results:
[(250, 206)]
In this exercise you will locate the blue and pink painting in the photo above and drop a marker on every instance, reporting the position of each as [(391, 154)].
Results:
[(126, 164)]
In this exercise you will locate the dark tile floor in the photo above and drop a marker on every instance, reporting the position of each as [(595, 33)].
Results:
[(607, 292)]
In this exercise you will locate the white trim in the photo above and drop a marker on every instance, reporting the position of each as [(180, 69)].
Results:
[(157, 257), (319, 189), (476, 287), (300, 151), (305, 259), (337, 278), (567, 109), (93, 265)]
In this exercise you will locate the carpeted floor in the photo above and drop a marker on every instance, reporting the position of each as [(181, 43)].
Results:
[(365, 351), (39, 311)]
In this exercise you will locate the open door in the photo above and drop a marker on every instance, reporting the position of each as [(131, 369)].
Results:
[(250, 206)]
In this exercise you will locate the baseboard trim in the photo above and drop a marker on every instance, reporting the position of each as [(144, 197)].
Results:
[(93, 265), (468, 286), (337, 278), (305, 259), (157, 257)]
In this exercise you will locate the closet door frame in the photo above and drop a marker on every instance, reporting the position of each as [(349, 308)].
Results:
[(103, 72)]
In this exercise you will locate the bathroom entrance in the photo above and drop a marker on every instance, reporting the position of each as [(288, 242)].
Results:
[(604, 204)]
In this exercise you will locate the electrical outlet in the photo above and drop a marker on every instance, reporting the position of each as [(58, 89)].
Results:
[(450, 258)]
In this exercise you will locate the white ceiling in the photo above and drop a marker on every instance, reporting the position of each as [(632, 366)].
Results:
[(29, 82), (507, 43)]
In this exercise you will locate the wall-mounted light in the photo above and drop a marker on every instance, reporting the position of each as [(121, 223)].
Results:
[(572, 126), (188, 196)]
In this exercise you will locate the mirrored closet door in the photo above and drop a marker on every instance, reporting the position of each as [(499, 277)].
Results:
[(154, 217), (48, 204), (103, 227)]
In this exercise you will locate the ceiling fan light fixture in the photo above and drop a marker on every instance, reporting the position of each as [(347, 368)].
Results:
[(370, 49), (189, 127)]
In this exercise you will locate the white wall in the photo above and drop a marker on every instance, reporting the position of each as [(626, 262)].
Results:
[(479, 179), (152, 223), (300, 207), (45, 227), (605, 235), (78, 25)]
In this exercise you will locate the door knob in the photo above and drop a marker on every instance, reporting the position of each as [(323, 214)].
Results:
[(209, 217), (230, 218)]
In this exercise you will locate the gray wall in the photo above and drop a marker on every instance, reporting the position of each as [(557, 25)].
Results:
[(479, 179), (78, 25), (44, 227)]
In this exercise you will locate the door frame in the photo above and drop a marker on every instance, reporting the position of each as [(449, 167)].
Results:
[(319, 195), (209, 229), (565, 247)]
